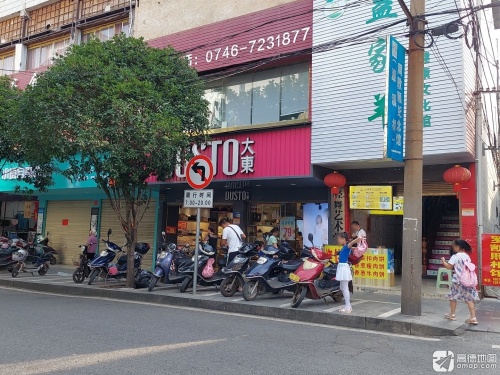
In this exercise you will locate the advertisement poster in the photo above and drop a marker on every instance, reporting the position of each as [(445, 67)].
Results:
[(370, 197), (491, 259), (373, 266), (287, 228), (316, 223)]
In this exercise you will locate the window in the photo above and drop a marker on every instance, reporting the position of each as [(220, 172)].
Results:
[(107, 32), (263, 97), (43, 55), (6, 65)]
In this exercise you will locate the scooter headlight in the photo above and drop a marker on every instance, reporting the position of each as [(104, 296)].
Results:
[(238, 260), (162, 255), (308, 265), (104, 253)]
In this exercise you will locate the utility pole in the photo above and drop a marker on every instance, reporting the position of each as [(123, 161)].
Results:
[(411, 291)]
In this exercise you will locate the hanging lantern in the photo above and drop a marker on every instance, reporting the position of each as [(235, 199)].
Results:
[(457, 175), (335, 181)]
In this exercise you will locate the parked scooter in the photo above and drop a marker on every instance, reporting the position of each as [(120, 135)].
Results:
[(39, 265), (270, 272), (83, 271), (119, 269), (315, 278), (205, 262), (101, 263), (41, 246), (167, 265), (6, 251), (234, 270)]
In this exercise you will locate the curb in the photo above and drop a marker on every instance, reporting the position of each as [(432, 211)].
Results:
[(350, 321)]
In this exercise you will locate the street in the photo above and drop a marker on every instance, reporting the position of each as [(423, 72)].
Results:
[(52, 334)]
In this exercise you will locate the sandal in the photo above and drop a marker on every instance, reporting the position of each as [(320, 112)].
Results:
[(346, 310), (472, 321), (450, 316)]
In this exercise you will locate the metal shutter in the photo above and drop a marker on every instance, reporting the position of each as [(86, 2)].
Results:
[(146, 233), (429, 189), (65, 239)]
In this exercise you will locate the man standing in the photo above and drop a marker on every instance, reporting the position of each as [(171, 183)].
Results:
[(357, 231), (232, 237)]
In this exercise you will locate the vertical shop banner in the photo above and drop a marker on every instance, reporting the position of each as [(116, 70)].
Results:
[(39, 222), (28, 209), (395, 100), (287, 228), (491, 259), (338, 220), (316, 223)]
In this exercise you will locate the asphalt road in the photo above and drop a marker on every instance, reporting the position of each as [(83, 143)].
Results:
[(52, 334)]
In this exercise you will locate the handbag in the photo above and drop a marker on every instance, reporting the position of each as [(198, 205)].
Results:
[(359, 250), (208, 270)]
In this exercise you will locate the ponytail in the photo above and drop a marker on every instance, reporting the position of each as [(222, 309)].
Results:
[(463, 245)]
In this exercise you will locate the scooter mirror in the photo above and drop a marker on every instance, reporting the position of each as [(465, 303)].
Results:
[(109, 232), (310, 237)]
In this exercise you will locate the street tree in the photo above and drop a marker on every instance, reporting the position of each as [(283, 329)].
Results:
[(9, 104), (119, 112)]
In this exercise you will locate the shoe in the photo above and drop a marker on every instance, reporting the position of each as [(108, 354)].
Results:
[(450, 316), (472, 321), (346, 310)]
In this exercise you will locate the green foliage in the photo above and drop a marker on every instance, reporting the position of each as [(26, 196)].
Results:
[(9, 100)]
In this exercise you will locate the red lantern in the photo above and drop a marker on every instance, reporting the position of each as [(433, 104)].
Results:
[(457, 175), (335, 181)]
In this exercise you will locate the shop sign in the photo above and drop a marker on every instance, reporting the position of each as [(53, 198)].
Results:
[(370, 197), (338, 212), (373, 266), (16, 173), (39, 222), (171, 230), (183, 225), (199, 198), (287, 228), (397, 208), (237, 195), (491, 259), (29, 207)]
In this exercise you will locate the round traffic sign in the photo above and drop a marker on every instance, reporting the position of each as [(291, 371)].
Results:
[(199, 172)]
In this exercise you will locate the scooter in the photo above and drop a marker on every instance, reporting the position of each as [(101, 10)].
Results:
[(41, 245), (119, 269), (6, 260), (83, 271), (315, 279), (270, 272), (234, 270), (39, 265), (102, 262), (167, 265), (205, 259)]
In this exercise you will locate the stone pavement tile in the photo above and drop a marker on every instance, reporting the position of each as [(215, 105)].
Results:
[(488, 315)]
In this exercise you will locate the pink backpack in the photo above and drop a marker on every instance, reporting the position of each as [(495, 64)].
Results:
[(208, 271), (468, 277), (359, 250)]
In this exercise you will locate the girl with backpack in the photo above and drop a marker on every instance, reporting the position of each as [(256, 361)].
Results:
[(464, 281)]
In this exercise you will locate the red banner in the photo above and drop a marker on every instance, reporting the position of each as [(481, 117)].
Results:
[(491, 259)]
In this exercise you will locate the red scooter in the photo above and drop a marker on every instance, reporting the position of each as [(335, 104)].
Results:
[(315, 278)]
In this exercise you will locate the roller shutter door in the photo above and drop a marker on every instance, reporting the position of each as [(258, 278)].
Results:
[(146, 229), (66, 238), (429, 189)]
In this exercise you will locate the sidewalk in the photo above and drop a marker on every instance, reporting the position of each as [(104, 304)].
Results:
[(371, 310)]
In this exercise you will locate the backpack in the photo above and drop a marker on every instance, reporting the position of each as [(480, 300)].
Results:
[(359, 250), (468, 277)]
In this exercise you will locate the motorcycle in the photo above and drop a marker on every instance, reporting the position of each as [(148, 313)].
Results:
[(41, 245), (234, 270), (83, 271), (6, 251), (205, 259), (39, 265), (102, 262), (119, 269), (315, 279), (270, 272), (167, 265)]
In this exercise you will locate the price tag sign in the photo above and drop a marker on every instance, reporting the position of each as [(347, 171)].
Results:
[(287, 228)]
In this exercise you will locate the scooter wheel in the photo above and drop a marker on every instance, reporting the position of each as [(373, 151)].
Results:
[(93, 275), (229, 286), (299, 296), (78, 276), (250, 290), (15, 270), (152, 283), (53, 261), (338, 296), (187, 283), (43, 271)]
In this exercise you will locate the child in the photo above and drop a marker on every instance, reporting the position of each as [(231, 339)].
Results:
[(344, 274), (459, 292)]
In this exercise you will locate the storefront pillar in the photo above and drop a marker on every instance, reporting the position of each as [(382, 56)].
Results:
[(468, 213)]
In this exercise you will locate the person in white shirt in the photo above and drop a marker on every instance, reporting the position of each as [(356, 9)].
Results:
[(232, 237), (357, 231)]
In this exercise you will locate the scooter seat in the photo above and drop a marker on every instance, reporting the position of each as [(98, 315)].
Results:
[(292, 265), (122, 260), (180, 261)]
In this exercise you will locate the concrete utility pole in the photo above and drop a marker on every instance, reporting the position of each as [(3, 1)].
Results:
[(411, 299)]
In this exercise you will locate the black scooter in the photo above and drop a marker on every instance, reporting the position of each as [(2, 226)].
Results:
[(234, 270), (187, 269), (83, 271), (271, 272)]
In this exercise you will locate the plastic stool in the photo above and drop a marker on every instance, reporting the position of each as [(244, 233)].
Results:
[(440, 281)]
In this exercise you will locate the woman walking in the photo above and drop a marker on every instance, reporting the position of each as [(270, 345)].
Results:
[(458, 292), (344, 274)]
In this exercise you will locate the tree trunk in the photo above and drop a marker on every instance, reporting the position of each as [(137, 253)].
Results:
[(131, 241)]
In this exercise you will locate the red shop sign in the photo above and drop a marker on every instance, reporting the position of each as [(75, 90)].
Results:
[(267, 33), (491, 259)]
